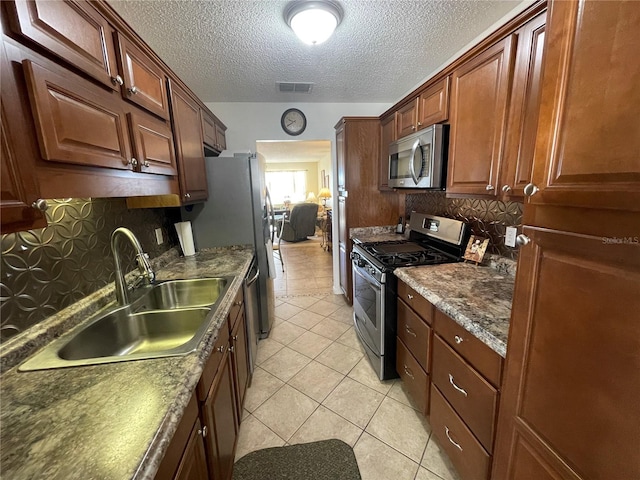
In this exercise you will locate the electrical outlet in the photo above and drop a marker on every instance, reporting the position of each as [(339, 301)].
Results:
[(159, 238), (510, 237)]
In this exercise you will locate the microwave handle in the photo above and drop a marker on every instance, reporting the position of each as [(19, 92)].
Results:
[(416, 145)]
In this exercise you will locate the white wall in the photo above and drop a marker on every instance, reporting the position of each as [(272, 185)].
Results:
[(249, 122)]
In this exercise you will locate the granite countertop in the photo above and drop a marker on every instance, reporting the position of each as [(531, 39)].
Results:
[(478, 298), (112, 421), (376, 234)]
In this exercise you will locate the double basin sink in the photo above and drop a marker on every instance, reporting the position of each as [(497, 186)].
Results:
[(167, 319)]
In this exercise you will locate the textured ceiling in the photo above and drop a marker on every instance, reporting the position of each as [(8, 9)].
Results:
[(236, 50), (295, 151)]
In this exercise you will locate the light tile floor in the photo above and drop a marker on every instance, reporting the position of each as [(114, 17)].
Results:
[(312, 382)]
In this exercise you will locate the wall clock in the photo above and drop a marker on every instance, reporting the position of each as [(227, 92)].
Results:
[(293, 121)]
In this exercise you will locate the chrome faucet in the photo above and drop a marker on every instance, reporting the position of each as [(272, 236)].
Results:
[(142, 259)]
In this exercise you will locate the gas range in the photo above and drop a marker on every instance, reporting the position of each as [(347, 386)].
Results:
[(433, 240)]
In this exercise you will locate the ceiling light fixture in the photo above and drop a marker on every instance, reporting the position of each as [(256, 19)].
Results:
[(313, 21)]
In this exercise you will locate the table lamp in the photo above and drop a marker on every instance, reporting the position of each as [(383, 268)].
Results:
[(324, 194), (312, 198)]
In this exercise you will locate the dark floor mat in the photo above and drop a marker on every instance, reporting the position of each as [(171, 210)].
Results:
[(325, 460)]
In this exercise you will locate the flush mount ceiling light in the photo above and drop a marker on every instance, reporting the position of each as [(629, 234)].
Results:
[(313, 21)]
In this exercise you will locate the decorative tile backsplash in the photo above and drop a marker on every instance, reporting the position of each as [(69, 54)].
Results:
[(46, 270), (488, 218)]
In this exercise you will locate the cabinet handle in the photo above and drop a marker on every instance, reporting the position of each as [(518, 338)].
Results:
[(458, 339), (506, 188), (531, 189), (461, 390), (117, 80), (203, 431), (413, 127), (238, 303), (221, 348), (235, 338), (40, 204), (408, 372), (132, 90), (419, 124), (232, 349), (488, 188), (133, 162), (146, 163), (409, 296), (187, 195), (522, 240), (409, 331), (451, 439)]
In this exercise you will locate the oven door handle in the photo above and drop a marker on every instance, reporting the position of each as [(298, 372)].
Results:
[(361, 335), (366, 277)]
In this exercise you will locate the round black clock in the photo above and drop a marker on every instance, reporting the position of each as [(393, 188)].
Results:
[(293, 121)]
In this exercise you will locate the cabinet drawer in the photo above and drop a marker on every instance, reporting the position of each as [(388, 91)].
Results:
[(471, 460), (211, 367), (236, 306), (416, 301), (472, 397), (413, 376), (483, 359), (415, 334)]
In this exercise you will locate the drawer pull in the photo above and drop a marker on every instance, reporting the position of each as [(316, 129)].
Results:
[(461, 390), (203, 431), (450, 439), (408, 372), (409, 296), (409, 331), (221, 348), (458, 339)]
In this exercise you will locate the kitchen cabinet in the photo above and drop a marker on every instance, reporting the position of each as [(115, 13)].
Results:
[(185, 455), (574, 341), (433, 104), (74, 31), (388, 134), (213, 133), (588, 141), (19, 206), (360, 203), (239, 351), (187, 128), (515, 174), (144, 82), (152, 144), (479, 103), (407, 118)]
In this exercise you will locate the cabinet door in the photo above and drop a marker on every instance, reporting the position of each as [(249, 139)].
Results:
[(152, 144), (588, 145), (407, 118), (77, 122), (188, 138), (344, 249), (221, 137), (433, 104), (18, 184), (524, 108), (193, 465), (219, 414), (572, 367), (479, 96), (144, 81), (208, 130), (240, 357), (72, 30), (340, 154), (388, 135)]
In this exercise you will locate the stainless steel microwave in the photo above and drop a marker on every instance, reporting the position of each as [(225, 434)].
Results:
[(419, 160)]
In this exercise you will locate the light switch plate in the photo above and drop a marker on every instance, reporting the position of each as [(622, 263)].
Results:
[(510, 237), (159, 238)]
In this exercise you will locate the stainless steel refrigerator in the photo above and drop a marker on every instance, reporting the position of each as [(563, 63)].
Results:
[(236, 213)]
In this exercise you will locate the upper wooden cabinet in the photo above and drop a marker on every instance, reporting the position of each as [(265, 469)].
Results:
[(213, 133), (407, 118), (72, 30), (152, 144), (144, 81), (388, 134), (187, 127), (515, 174), (433, 104), (588, 145), (479, 102)]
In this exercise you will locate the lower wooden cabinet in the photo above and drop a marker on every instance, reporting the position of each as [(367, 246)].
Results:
[(415, 379), (240, 360), (193, 465)]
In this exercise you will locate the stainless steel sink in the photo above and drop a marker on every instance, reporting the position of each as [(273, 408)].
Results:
[(168, 320), (199, 292)]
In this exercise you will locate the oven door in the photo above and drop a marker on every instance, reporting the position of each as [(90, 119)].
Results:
[(368, 307)]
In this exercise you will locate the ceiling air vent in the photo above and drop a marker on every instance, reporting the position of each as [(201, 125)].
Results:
[(294, 87)]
